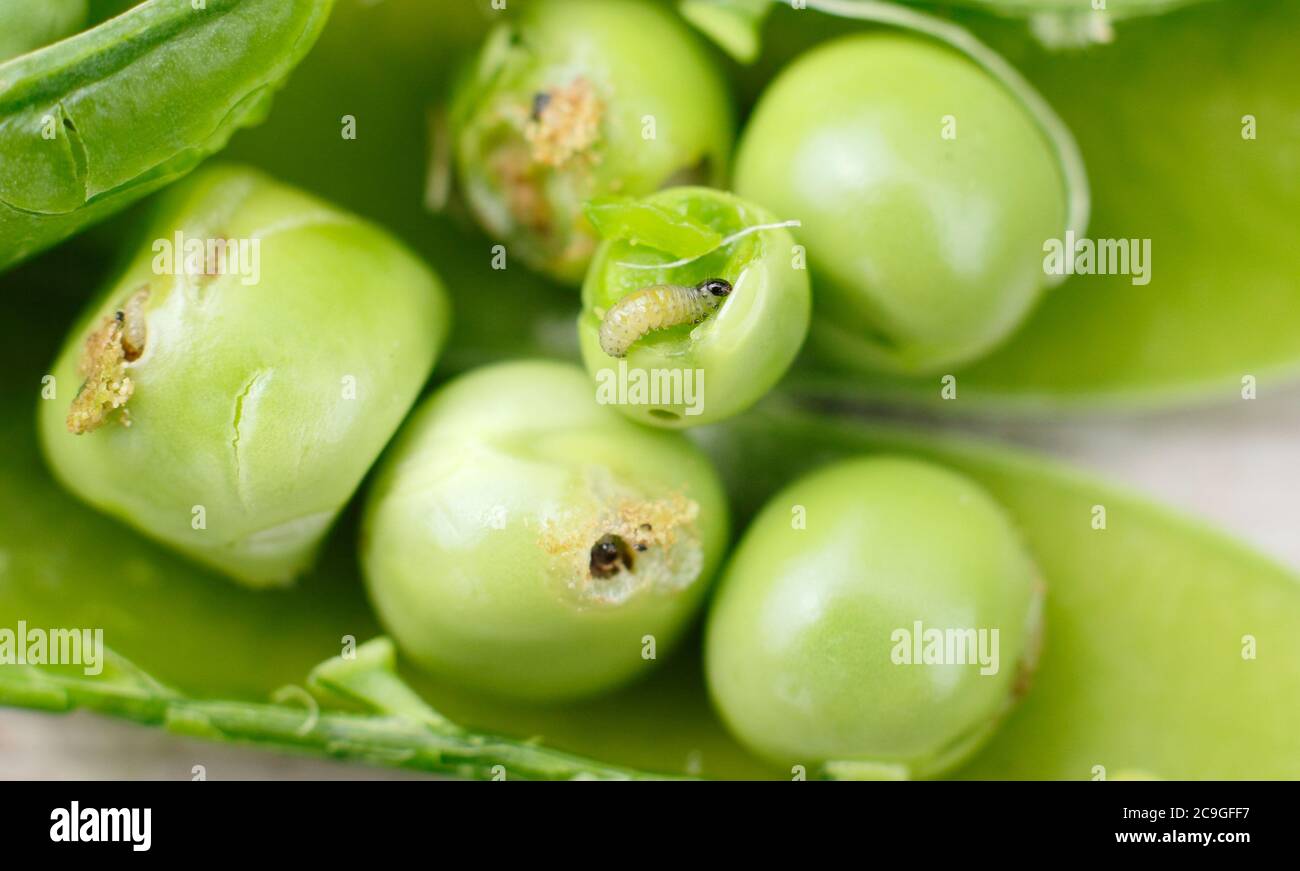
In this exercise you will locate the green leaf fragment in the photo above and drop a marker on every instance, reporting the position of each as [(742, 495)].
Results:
[(369, 677), (643, 223)]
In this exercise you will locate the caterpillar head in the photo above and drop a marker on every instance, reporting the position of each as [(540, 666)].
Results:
[(714, 287)]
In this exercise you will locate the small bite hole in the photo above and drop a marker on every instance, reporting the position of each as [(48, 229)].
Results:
[(609, 556)]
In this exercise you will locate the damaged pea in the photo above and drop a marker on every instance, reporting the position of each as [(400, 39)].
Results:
[(694, 307), (522, 540), (557, 109), (232, 420)]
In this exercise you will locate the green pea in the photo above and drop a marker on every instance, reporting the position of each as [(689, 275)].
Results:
[(694, 307), (228, 393), (522, 540), (926, 192), (93, 123), (580, 99), (878, 619)]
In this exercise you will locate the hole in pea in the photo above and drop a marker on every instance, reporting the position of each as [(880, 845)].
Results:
[(609, 556), (664, 414)]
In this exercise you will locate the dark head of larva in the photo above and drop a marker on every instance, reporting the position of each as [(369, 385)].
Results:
[(714, 286), (609, 556), (541, 100)]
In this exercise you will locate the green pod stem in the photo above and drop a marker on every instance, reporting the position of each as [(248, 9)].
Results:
[(93, 123), (736, 25), (26, 25), (1032, 8), (409, 734)]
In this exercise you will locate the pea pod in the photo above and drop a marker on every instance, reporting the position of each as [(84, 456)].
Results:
[(95, 122), (1106, 657)]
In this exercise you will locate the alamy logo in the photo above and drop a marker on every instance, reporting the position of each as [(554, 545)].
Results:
[(1074, 256), (35, 646), (628, 386), (215, 256), (76, 824), (921, 646)]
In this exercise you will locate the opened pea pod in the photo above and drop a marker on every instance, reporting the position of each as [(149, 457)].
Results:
[(227, 394), (694, 307)]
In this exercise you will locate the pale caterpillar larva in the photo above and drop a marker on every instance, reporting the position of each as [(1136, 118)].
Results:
[(657, 308)]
